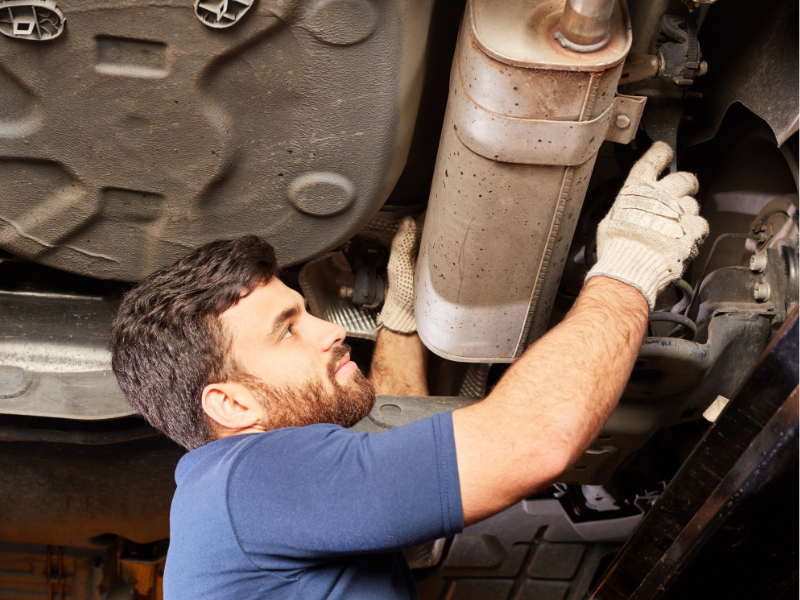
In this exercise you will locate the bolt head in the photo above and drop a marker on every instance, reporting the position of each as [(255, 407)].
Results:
[(758, 262), (623, 122), (761, 292)]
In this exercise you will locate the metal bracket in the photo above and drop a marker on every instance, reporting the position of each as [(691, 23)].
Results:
[(542, 142), (627, 114)]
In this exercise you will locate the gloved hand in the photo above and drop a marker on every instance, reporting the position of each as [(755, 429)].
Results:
[(398, 310), (653, 229)]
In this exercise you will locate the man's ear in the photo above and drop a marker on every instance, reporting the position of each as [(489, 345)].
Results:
[(232, 407)]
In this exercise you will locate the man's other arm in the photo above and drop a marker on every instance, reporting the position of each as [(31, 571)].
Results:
[(398, 364), (552, 403), (399, 359)]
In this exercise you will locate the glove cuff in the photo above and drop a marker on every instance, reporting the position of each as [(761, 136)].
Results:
[(397, 316), (636, 264)]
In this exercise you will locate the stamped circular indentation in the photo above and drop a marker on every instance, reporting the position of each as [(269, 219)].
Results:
[(322, 194), (221, 13), (14, 382), (342, 22)]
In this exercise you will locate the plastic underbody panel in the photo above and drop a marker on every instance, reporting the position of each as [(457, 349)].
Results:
[(141, 132)]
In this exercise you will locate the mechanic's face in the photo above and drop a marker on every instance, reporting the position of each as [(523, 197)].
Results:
[(299, 367)]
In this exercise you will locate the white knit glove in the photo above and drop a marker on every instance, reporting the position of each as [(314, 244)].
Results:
[(398, 310), (653, 229)]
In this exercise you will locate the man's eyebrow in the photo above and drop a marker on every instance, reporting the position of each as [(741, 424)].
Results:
[(283, 316)]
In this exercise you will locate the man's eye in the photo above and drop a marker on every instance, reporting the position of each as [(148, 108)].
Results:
[(288, 332)]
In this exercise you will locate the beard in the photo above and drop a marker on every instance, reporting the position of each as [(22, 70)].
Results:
[(313, 401)]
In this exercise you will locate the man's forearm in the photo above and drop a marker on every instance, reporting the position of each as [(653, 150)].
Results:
[(398, 364), (551, 404), (580, 369)]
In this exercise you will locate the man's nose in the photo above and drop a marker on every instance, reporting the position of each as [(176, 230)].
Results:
[(331, 334)]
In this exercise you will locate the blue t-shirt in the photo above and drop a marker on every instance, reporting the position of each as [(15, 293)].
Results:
[(311, 512)]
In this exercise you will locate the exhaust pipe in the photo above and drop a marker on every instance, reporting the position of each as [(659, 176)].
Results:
[(584, 25)]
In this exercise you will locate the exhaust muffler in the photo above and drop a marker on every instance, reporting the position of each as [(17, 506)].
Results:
[(525, 120)]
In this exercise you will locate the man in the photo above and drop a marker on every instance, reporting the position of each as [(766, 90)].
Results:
[(277, 499)]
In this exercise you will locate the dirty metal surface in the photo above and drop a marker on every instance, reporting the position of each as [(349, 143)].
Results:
[(525, 93), (87, 395), (531, 141), (497, 231), (141, 132), (492, 251), (54, 360), (522, 35)]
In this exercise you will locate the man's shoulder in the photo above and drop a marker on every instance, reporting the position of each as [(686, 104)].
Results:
[(297, 440), (221, 456)]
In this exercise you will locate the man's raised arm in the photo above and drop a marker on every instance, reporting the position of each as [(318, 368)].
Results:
[(551, 404)]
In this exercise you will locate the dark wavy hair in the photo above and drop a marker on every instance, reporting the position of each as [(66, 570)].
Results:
[(167, 340)]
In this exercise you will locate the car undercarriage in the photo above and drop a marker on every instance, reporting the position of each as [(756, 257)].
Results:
[(133, 132)]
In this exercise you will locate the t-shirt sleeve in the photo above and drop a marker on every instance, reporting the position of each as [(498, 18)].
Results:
[(324, 491)]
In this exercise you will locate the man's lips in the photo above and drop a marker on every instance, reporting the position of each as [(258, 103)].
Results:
[(345, 366)]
